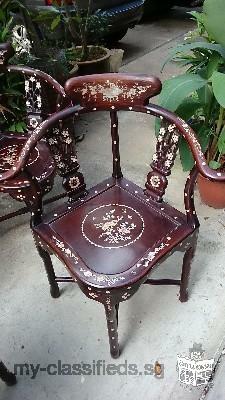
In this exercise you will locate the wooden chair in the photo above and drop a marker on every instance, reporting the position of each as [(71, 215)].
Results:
[(111, 237), (41, 163), (8, 377)]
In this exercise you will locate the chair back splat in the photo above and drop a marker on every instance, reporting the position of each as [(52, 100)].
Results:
[(112, 92)]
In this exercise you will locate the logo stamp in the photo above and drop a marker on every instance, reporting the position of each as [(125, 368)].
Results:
[(195, 370)]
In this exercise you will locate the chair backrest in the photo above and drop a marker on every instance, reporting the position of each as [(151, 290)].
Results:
[(114, 92)]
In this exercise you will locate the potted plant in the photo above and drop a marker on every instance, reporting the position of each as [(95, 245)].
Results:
[(46, 54), (198, 95), (77, 28), (12, 104)]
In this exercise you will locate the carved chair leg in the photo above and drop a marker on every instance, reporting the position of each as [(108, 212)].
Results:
[(187, 260), (8, 377), (112, 323), (54, 288)]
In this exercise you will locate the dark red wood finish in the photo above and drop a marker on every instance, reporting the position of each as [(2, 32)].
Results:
[(111, 237)]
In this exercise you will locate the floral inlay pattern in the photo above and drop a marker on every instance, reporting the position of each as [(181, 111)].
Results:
[(155, 181), (65, 250), (112, 226), (112, 91), (100, 278), (74, 182), (145, 261), (166, 149), (193, 138), (33, 96), (163, 159), (9, 156), (63, 149), (115, 229)]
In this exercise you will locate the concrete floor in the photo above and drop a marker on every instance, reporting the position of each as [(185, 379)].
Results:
[(153, 325)]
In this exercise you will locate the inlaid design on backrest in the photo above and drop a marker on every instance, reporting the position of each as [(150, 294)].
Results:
[(33, 101), (112, 226), (64, 153), (112, 91), (63, 148), (33, 93), (163, 160)]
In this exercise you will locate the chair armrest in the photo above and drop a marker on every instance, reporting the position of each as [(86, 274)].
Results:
[(33, 139), (189, 135)]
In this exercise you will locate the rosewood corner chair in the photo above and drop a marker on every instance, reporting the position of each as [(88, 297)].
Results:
[(39, 88), (112, 236)]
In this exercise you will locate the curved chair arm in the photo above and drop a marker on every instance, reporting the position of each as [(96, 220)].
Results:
[(37, 135), (37, 73), (180, 124), (189, 201), (187, 132)]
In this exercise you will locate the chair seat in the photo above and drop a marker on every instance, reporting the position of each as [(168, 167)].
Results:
[(115, 234), (40, 164)]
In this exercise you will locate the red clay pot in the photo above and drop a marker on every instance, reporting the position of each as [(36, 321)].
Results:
[(212, 193)]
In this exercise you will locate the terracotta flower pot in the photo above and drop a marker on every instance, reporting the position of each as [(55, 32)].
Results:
[(98, 66), (212, 193)]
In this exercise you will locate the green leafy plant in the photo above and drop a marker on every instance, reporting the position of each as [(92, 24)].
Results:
[(198, 95), (78, 27), (7, 8), (12, 107)]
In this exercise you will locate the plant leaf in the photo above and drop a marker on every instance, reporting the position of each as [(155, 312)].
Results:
[(186, 157), (213, 12), (221, 142), (214, 164), (186, 47), (214, 62), (19, 127), (218, 84), (188, 108), (56, 21), (175, 90)]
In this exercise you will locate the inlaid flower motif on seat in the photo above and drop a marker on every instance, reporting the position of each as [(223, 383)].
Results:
[(112, 226)]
